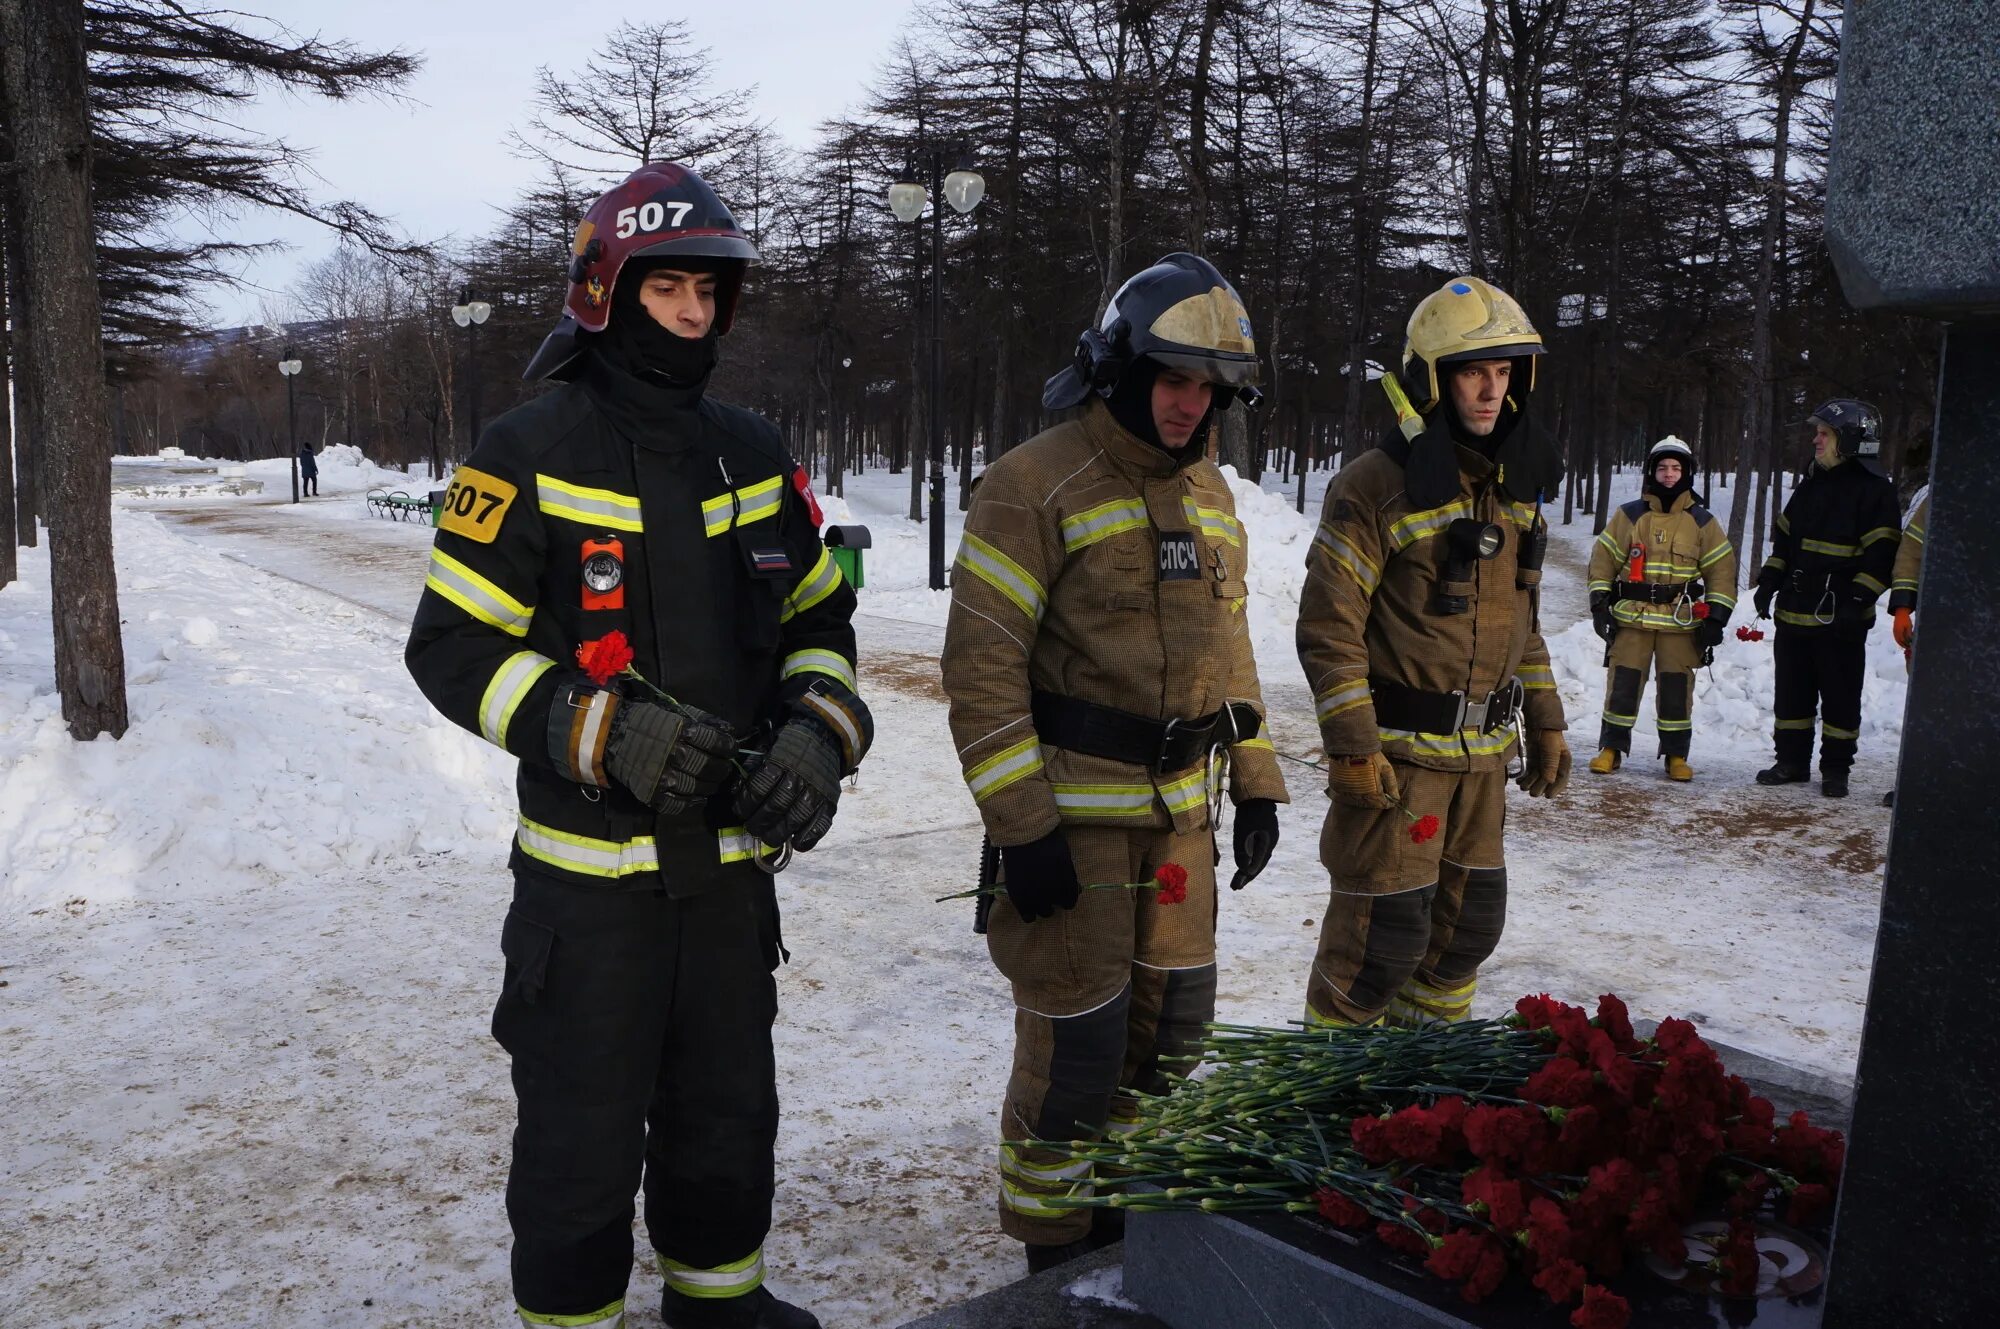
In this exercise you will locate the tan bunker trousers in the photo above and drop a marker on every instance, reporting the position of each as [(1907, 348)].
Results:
[(1409, 923), (1106, 996)]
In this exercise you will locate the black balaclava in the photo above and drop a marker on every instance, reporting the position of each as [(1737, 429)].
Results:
[(1664, 493), (1131, 403), (635, 342)]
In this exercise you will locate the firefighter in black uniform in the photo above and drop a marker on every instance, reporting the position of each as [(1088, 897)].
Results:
[(638, 996), (1833, 554)]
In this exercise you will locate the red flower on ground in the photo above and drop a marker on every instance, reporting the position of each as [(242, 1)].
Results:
[(1503, 1135), (1601, 1310), (1340, 1211), (1549, 1234), (1561, 1280), (1748, 1198), (1416, 1135), (1368, 1137), (1559, 1083), (1474, 1260), (1401, 1237), (1809, 1201), (1676, 1036), (1423, 828), (1505, 1200), (1740, 1259), (1614, 1019), (605, 657), (1538, 1012), (1171, 881)]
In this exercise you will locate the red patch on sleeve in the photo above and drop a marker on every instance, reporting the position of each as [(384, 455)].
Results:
[(803, 483)]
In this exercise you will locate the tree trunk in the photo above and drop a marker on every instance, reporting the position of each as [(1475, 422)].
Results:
[(41, 43), (27, 418), (1197, 182), (10, 566), (1364, 250)]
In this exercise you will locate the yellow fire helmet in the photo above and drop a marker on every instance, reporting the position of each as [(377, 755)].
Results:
[(1467, 319)]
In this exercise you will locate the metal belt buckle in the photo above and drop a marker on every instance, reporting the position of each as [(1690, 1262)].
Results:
[(1464, 715), (1166, 737)]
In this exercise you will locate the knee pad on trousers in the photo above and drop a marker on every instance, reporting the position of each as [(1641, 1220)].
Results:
[(1399, 933), (1626, 685), (1482, 915), (1187, 1004), (1676, 696), (1086, 1054)]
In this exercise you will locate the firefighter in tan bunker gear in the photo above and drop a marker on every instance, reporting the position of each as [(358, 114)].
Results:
[(1101, 680), (1418, 633), (1662, 585)]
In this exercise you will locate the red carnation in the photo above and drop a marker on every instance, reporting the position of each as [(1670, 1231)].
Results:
[(1171, 879), (1561, 1280), (1740, 1259), (1401, 1237), (1473, 1260), (1506, 1201), (1701, 609), (1614, 1019), (1549, 1235), (1340, 1211), (607, 656), (1559, 1083), (1809, 1201), (1368, 1136), (1415, 1135), (1503, 1135), (1601, 1310), (1423, 828), (1749, 1197), (1538, 1012), (1676, 1036)]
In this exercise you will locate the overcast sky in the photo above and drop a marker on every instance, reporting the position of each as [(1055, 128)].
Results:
[(438, 163)]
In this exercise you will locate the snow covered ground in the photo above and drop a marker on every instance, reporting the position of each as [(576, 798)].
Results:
[(247, 953)]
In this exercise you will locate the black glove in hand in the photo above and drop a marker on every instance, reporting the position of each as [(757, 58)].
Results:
[(790, 793), (1762, 599), (1256, 837), (1708, 633), (1040, 876), (670, 757), (1600, 615)]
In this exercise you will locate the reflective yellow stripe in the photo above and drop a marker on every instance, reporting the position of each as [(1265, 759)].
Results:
[(1261, 744), (1408, 530), (733, 844), (581, 854), (1003, 574), (1617, 550), (1806, 723), (1214, 522), (735, 1279), (1104, 800), (1535, 678), (1523, 515), (509, 684), (742, 506), (1003, 768), (1880, 533), (592, 507), (1835, 731), (831, 663), (1829, 548), (611, 1317), (821, 582), (1029, 1205), (1344, 698), (1674, 726), (1469, 742), (1915, 532), (1053, 1174), (1086, 528), (1807, 620), (1716, 555), (1185, 792), (1722, 600), (1863, 579), (1342, 552), (477, 596)]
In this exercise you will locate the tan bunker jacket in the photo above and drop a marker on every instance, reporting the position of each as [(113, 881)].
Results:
[(1095, 568)]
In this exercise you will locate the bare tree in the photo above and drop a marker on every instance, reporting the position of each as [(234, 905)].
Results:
[(46, 85)]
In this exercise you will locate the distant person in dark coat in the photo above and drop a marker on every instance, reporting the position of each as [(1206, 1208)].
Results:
[(308, 472)]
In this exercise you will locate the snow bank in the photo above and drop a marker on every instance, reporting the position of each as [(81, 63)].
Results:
[(274, 733)]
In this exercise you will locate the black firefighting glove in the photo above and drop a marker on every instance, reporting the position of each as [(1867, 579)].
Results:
[(1768, 582), (670, 757), (790, 793), (1040, 876), (1600, 615), (1708, 633), (1256, 837)]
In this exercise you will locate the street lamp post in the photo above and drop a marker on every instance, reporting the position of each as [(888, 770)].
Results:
[(963, 188), (290, 366), (469, 313)]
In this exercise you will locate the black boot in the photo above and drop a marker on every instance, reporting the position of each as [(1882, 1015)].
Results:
[(1833, 784), (1783, 772), (753, 1310), (1889, 799)]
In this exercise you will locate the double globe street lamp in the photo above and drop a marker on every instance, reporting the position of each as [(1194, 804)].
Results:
[(289, 366), (963, 188), (469, 313)]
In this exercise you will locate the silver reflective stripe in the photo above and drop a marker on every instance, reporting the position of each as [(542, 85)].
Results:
[(1012, 1163), (1103, 799), (1349, 557), (729, 1280), (842, 723), (601, 507), (476, 595), (819, 583), (584, 855), (1003, 574), (510, 684), (1088, 527), (736, 845), (585, 762), (1004, 767), (1341, 698), (830, 663)]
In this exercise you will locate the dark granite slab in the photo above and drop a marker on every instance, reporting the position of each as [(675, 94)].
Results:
[(1048, 1301)]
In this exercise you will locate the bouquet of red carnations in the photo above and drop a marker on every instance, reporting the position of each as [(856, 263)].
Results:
[(1548, 1142)]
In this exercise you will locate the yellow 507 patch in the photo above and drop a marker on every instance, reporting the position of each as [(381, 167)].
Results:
[(475, 505)]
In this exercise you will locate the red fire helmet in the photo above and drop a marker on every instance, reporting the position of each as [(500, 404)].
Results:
[(660, 209)]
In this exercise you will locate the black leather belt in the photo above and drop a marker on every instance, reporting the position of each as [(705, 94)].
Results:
[(1159, 745), (1659, 593), (1400, 707)]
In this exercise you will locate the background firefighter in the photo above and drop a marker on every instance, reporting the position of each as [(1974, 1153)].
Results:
[(1099, 667), (1418, 633), (1903, 589), (638, 997), (1832, 555), (1662, 585)]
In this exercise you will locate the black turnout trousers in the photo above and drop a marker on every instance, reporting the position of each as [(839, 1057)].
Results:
[(1819, 670), (640, 1030)]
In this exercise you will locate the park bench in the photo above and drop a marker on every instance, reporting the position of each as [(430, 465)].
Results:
[(399, 506)]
